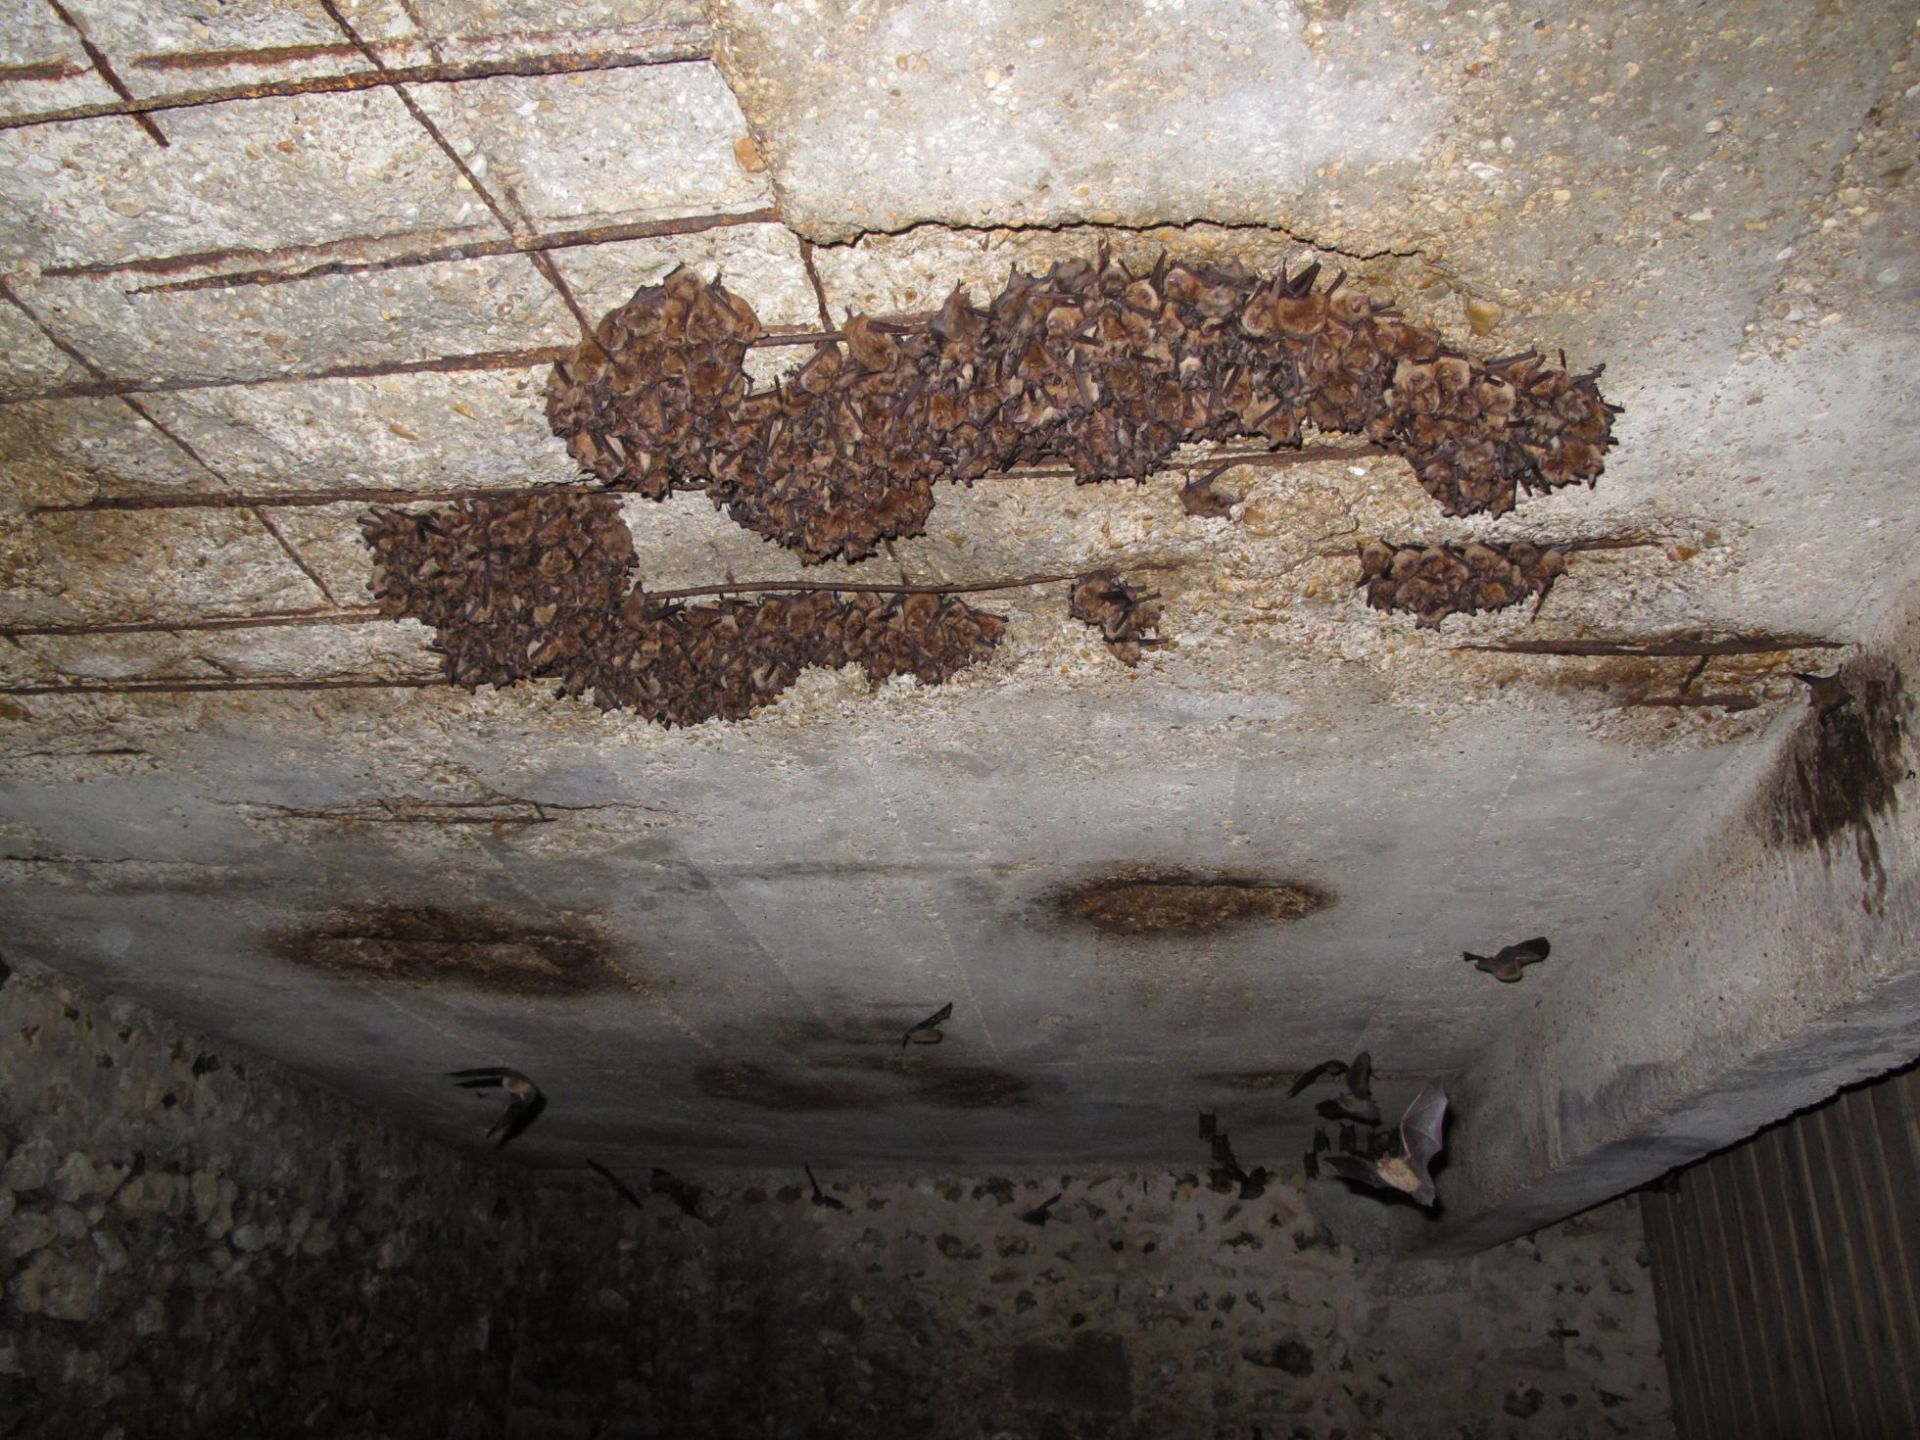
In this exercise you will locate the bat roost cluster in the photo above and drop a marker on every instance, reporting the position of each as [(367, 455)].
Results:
[(536, 586), (1090, 364), (1124, 616), (1432, 582)]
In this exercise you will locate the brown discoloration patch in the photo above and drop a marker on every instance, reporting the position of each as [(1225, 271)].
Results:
[(1254, 1080), (952, 1087), (480, 949), (1185, 904), (748, 1084), (1843, 771)]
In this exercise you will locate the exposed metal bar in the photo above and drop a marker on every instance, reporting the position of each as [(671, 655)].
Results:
[(345, 615), (472, 250), (104, 69), (530, 65)]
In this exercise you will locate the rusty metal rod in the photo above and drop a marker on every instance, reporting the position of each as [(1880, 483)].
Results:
[(473, 250), (530, 65), (346, 615)]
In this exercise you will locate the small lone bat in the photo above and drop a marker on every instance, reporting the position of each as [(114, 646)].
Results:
[(1321, 1145), (1043, 1212), (1355, 1102), (1507, 963), (820, 1197), (620, 1186), (1198, 497), (1209, 1124), (524, 1100), (1421, 1136), (1825, 693), (928, 1031), (686, 1196)]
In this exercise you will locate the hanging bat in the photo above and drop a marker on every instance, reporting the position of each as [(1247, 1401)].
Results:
[(620, 1186), (1198, 497), (1421, 1136), (1355, 1102), (1209, 1124), (524, 1100), (1321, 1145), (686, 1196), (1507, 963), (1825, 693), (820, 1197), (1253, 1184), (928, 1031), (1043, 1212)]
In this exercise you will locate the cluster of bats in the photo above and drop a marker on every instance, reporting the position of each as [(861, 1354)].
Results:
[(1091, 364), (540, 586), (1432, 582), (1389, 1160)]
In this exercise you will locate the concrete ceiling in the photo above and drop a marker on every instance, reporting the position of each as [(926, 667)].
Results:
[(297, 268)]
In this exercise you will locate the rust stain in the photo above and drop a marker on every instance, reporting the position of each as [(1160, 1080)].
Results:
[(41, 70), (1183, 903), (479, 948), (1841, 772), (745, 1083)]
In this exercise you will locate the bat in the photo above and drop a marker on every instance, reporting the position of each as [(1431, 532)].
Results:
[(524, 1100), (1421, 1136), (1355, 1102), (820, 1197), (1507, 963), (1348, 1144), (928, 1031), (1198, 497), (6, 970), (625, 1191), (1253, 1184), (1209, 1125), (1825, 693), (1043, 1212), (686, 1196), (1307, 1077), (1321, 1145)]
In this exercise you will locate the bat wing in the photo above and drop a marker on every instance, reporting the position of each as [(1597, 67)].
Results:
[(485, 1077), (1307, 1077), (1360, 1075), (945, 1012), (618, 1184), (1423, 1127), (520, 1114), (1361, 1172)]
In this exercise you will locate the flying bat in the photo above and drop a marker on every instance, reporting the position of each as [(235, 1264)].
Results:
[(686, 1196), (1421, 1136), (928, 1032), (524, 1100), (625, 1191), (820, 1197), (1043, 1212), (1825, 693), (1508, 962), (1353, 1103)]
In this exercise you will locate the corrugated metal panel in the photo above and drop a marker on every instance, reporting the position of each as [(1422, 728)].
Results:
[(1787, 1271)]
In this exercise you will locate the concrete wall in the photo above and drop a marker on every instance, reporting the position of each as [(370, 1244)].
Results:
[(194, 1241)]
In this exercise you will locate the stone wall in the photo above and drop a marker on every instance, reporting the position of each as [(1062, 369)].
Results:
[(194, 1241), (1147, 1307)]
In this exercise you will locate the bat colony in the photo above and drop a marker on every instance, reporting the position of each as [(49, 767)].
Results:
[(1090, 365)]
